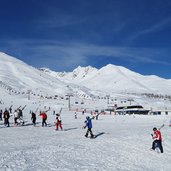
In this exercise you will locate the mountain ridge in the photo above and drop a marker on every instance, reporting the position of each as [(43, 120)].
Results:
[(121, 76), (85, 80)]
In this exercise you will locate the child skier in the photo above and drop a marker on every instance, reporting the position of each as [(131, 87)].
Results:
[(157, 140), (58, 122), (89, 126)]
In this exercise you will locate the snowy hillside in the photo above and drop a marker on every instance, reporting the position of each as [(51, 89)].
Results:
[(21, 77)]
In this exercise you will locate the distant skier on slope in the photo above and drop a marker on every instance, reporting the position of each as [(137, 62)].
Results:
[(10, 109), (44, 118), (33, 118), (89, 126), (1, 112), (19, 117), (75, 115), (58, 121), (157, 137), (170, 123), (15, 117), (6, 117)]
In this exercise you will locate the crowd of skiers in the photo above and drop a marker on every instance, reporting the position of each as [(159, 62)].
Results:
[(18, 120), (18, 117)]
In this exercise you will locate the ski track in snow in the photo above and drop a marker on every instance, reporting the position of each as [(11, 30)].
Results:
[(123, 144)]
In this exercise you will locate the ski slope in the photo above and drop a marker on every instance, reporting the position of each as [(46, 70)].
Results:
[(123, 144)]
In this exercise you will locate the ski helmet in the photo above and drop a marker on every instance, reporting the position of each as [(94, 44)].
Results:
[(154, 129), (87, 117)]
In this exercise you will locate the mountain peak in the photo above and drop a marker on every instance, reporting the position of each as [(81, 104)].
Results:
[(82, 72), (80, 68)]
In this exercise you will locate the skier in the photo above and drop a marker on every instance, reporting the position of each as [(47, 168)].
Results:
[(20, 113), (10, 109), (20, 120), (33, 118), (44, 118), (170, 123), (91, 112), (75, 115), (15, 117), (58, 122), (157, 137), (6, 117), (97, 116), (89, 126), (1, 112)]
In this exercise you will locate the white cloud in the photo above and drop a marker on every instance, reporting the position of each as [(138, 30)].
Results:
[(69, 55)]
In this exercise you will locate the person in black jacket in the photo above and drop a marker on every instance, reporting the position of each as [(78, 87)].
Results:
[(6, 117), (33, 118), (1, 112)]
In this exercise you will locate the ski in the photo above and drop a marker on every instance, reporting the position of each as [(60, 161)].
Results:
[(60, 110), (161, 126)]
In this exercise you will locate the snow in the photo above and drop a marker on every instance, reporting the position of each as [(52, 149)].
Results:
[(123, 142), (23, 77)]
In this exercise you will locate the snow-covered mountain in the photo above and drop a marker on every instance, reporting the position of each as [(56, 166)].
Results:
[(112, 78), (20, 77), (76, 76)]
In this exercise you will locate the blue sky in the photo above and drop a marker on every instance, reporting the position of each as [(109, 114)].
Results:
[(63, 34)]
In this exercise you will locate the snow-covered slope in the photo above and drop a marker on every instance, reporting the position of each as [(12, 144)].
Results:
[(123, 144), (22, 77)]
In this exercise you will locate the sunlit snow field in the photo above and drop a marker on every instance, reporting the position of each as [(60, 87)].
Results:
[(123, 144)]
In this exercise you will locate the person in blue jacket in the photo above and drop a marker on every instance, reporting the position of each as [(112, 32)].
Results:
[(89, 126)]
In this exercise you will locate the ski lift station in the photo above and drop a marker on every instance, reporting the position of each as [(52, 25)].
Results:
[(138, 109)]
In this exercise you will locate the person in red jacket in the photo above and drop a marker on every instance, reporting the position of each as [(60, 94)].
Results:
[(44, 118), (157, 137), (58, 122)]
